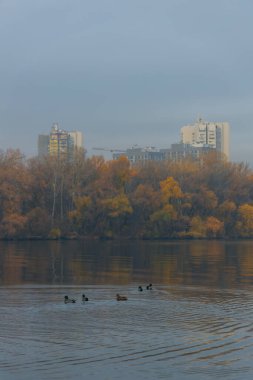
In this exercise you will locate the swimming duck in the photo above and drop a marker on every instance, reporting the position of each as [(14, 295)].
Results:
[(69, 300), (121, 298), (84, 298), (140, 289), (149, 287)]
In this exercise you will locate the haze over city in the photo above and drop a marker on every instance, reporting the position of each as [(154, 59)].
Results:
[(125, 73)]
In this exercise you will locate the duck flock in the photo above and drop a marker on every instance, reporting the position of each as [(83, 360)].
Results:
[(118, 296)]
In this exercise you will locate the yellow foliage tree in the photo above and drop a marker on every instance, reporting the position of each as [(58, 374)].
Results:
[(226, 208), (81, 204), (197, 228), (113, 214), (117, 206), (165, 220), (244, 225), (167, 213), (170, 190)]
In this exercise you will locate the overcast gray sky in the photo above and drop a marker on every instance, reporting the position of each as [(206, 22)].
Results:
[(125, 72)]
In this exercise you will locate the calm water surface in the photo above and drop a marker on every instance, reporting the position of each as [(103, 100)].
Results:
[(196, 322)]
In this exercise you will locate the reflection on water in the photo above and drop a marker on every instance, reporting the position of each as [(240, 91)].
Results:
[(213, 263), (196, 323)]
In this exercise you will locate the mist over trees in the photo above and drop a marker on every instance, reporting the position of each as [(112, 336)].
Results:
[(91, 197)]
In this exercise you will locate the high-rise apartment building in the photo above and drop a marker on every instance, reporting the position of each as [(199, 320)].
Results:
[(207, 134), (77, 138), (60, 143), (43, 141)]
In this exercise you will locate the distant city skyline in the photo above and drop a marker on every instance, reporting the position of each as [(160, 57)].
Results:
[(125, 73), (195, 140)]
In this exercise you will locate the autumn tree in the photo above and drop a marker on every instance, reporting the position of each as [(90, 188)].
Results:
[(115, 210), (226, 212), (204, 202), (214, 227), (244, 225), (80, 216), (197, 228), (166, 220), (145, 201), (14, 193)]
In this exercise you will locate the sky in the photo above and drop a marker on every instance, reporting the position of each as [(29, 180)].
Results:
[(125, 72)]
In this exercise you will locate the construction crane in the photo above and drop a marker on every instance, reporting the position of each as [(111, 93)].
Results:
[(110, 150)]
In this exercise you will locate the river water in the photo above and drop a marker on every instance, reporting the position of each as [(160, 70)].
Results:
[(195, 323)]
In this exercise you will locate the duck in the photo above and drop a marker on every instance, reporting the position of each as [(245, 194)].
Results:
[(121, 298), (140, 289), (84, 298), (69, 300), (149, 287)]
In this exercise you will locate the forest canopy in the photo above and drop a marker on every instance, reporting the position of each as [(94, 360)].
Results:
[(92, 197)]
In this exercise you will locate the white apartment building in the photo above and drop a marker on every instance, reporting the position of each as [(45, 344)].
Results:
[(210, 134), (77, 138)]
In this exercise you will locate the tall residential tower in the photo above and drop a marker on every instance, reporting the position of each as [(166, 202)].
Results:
[(59, 143), (207, 134)]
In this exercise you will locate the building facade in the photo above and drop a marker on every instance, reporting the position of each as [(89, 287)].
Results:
[(208, 134), (181, 151), (177, 152), (140, 155), (43, 142), (59, 143)]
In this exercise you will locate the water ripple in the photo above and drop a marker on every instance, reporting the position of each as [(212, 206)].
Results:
[(182, 328)]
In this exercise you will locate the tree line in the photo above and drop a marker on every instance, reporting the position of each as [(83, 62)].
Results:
[(92, 197)]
